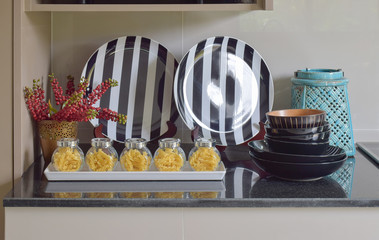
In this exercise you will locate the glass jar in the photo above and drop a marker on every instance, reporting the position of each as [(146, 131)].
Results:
[(135, 156), (68, 157), (169, 156), (204, 156), (102, 156)]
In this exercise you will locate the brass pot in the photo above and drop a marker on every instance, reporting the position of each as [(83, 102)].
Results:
[(50, 131)]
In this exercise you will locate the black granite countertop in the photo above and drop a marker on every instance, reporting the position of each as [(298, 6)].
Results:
[(356, 184)]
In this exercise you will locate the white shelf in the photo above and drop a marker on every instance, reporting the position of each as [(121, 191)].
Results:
[(35, 6), (35, 23)]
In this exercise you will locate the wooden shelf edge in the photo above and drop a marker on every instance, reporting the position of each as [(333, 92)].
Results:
[(34, 6)]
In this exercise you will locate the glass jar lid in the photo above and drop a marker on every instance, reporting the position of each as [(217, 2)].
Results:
[(101, 142), (67, 142), (135, 143), (169, 143), (205, 142)]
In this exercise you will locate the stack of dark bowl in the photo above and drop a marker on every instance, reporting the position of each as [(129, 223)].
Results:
[(296, 146)]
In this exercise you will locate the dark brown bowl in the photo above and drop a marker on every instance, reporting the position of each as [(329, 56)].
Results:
[(280, 146), (296, 118)]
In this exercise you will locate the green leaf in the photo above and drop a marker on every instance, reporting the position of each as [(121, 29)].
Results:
[(52, 110)]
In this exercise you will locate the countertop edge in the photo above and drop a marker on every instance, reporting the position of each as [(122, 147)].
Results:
[(191, 203)]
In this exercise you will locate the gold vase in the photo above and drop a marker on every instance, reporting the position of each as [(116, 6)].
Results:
[(50, 131)]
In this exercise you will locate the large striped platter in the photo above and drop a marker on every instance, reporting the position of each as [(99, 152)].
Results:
[(145, 72), (223, 87)]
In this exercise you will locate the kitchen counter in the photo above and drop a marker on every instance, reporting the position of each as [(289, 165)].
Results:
[(244, 185)]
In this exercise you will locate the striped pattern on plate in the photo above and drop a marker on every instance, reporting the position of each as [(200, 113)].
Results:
[(223, 87), (239, 182), (145, 72)]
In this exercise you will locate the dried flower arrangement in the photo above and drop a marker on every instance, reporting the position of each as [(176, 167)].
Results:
[(74, 105)]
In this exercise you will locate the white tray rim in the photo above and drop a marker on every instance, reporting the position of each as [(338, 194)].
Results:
[(187, 174)]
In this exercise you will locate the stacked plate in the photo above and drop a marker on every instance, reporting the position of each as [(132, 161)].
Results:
[(296, 146)]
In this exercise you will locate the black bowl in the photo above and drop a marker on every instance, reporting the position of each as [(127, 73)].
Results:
[(260, 149), (304, 148), (295, 131), (298, 171), (308, 138)]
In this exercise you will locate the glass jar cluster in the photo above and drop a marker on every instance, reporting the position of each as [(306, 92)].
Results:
[(69, 157), (169, 156)]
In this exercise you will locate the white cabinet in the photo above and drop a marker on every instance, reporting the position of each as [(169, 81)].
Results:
[(191, 223)]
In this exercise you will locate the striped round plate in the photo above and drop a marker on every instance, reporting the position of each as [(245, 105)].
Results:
[(223, 87), (145, 72)]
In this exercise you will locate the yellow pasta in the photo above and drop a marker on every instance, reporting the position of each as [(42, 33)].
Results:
[(67, 159), (204, 194), (168, 159), (68, 195), (168, 195), (134, 160), (135, 195), (204, 159), (100, 195), (99, 161)]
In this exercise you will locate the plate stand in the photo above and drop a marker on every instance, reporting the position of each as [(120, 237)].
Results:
[(259, 136)]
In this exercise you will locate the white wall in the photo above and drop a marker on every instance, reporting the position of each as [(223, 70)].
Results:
[(6, 104), (295, 35)]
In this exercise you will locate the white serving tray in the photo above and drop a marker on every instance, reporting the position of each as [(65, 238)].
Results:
[(187, 174)]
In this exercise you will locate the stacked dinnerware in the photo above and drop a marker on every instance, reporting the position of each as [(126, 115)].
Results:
[(296, 145)]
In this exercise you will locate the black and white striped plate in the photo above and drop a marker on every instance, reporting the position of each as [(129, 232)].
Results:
[(223, 87), (145, 72)]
